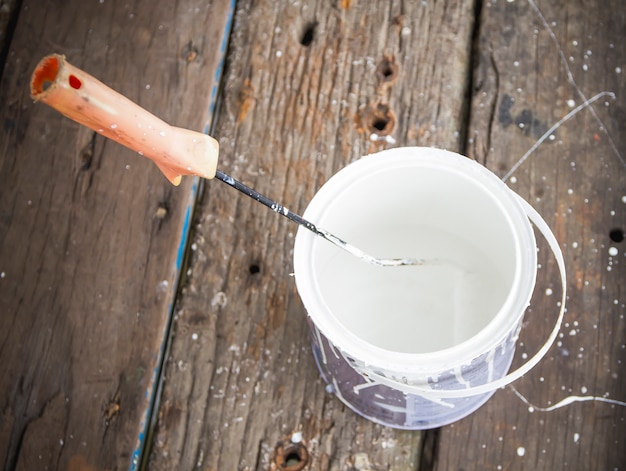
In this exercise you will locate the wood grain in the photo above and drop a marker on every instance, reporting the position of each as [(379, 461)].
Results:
[(307, 86), (91, 236), (8, 17), (577, 180)]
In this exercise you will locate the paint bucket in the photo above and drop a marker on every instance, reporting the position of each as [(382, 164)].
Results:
[(419, 347)]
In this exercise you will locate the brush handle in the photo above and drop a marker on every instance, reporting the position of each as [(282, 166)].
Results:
[(86, 100)]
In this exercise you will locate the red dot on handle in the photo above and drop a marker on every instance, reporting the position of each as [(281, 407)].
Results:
[(75, 82)]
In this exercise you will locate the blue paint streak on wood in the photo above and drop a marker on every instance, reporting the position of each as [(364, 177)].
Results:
[(153, 392), (183, 243)]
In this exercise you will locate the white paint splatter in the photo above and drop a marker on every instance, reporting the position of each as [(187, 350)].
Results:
[(572, 82), (219, 299), (566, 118), (576, 437), (568, 400), (521, 451), (613, 251), (163, 285)]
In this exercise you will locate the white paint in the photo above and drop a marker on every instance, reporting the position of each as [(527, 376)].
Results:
[(576, 437), (219, 299), (415, 309), (568, 400), (296, 437), (613, 251), (558, 124), (521, 451)]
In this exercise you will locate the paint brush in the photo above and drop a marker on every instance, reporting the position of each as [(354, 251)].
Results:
[(176, 151)]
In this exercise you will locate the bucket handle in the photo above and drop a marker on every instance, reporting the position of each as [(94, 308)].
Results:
[(491, 386)]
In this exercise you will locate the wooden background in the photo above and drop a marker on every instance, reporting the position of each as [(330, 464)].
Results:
[(147, 325)]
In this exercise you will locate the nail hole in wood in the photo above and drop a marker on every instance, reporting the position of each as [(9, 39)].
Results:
[(308, 35), (190, 52), (387, 70), (616, 235), (380, 124), (291, 456), (254, 269), (376, 119), (292, 459)]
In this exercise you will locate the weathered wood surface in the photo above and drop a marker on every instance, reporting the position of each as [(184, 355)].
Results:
[(307, 85), (91, 236), (529, 74), (8, 16), (89, 265)]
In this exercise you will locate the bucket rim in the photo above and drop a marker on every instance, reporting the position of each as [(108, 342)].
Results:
[(504, 321)]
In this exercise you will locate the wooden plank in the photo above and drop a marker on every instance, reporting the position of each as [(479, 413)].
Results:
[(308, 84), (92, 236), (8, 17), (577, 181)]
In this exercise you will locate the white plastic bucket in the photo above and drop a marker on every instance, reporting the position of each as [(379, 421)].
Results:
[(421, 346)]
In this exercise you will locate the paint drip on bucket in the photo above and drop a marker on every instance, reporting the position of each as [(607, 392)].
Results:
[(419, 347)]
